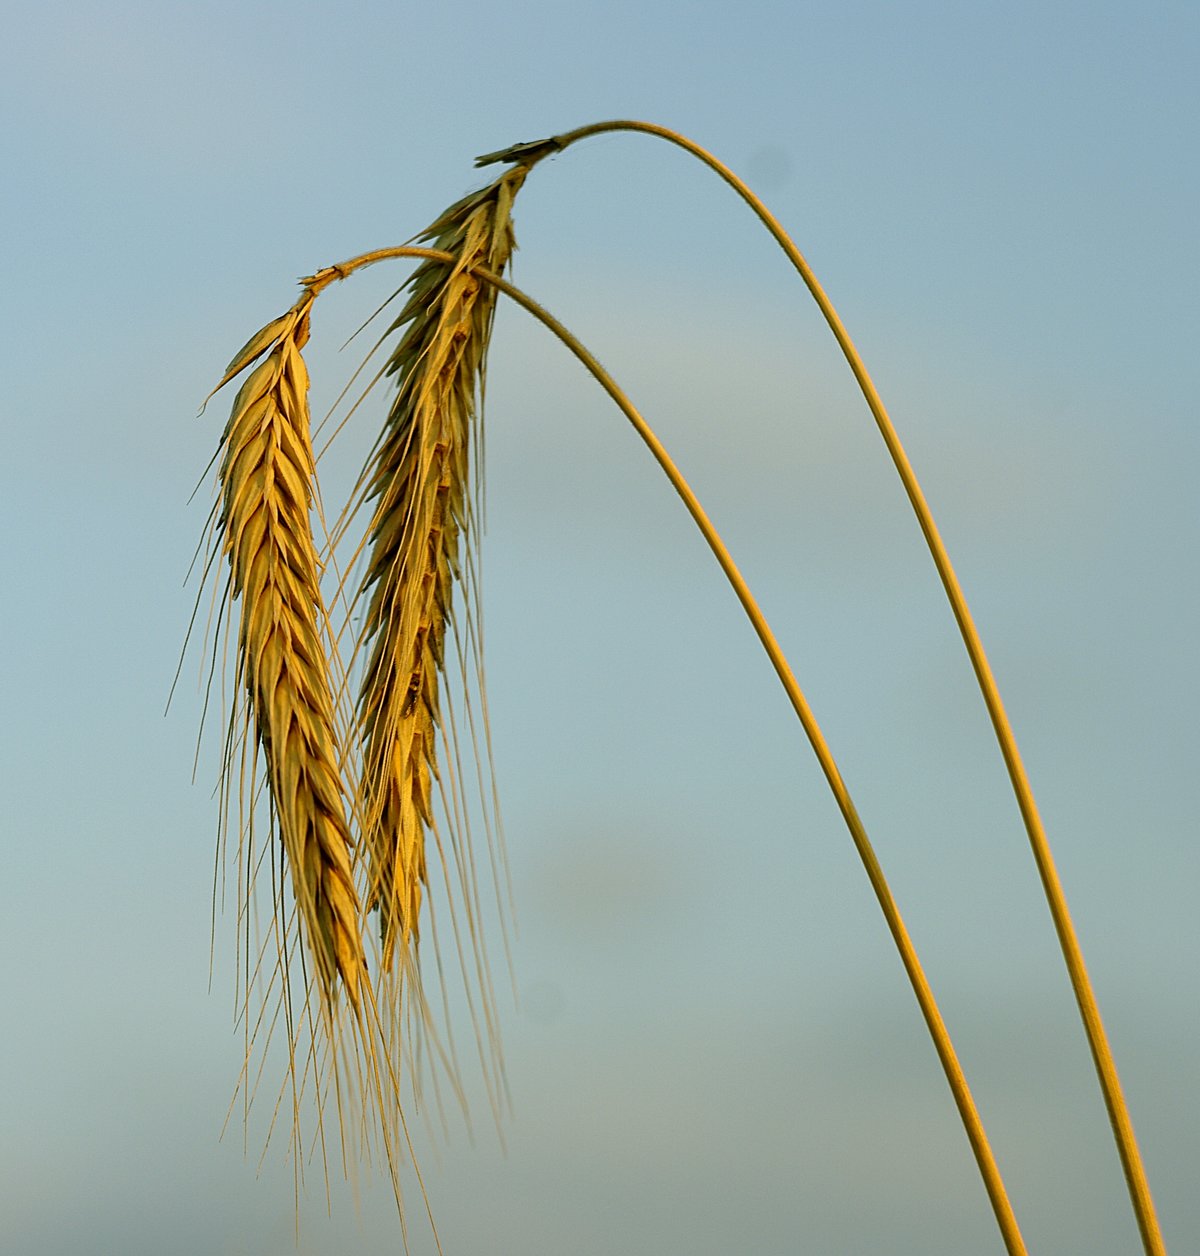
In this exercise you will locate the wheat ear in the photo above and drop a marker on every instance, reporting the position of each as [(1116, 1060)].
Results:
[(266, 477), (418, 481)]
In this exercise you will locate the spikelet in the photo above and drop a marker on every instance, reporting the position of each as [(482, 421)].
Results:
[(266, 475), (418, 481)]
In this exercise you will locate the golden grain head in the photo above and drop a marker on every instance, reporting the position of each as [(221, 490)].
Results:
[(421, 519), (266, 473)]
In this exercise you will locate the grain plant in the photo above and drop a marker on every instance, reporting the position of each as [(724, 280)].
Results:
[(340, 733)]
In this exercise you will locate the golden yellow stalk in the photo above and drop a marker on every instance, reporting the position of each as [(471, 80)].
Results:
[(418, 478), (998, 1196), (1085, 997), (266, 473)]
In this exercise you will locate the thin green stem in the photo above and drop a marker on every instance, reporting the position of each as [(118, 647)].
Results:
[(1106, 1069), (929, 1009)]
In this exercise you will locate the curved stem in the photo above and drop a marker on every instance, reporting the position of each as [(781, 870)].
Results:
[(1089, 1011), (929, 1009)]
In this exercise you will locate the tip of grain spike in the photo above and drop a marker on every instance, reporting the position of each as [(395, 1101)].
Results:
[(524, 154), (350, 967)]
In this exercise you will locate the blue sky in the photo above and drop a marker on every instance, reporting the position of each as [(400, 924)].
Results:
[(716, 1051)]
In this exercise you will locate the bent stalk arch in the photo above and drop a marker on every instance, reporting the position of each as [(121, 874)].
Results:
[(1081, 984), (964, 1101)]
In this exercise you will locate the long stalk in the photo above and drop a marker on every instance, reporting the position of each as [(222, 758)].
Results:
[(1085, 997), (963, 1099)]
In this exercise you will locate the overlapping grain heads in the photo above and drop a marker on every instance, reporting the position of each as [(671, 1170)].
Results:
[(418, 482), (266, 493), (352, 794)]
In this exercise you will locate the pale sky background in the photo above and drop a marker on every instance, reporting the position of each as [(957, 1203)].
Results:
[(717, 1052)]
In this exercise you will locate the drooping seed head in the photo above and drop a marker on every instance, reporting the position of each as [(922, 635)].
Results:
[(266, 474), (419, 482)]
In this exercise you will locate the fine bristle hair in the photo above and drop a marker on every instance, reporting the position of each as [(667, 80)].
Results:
[(266, 493), (418, 484)]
